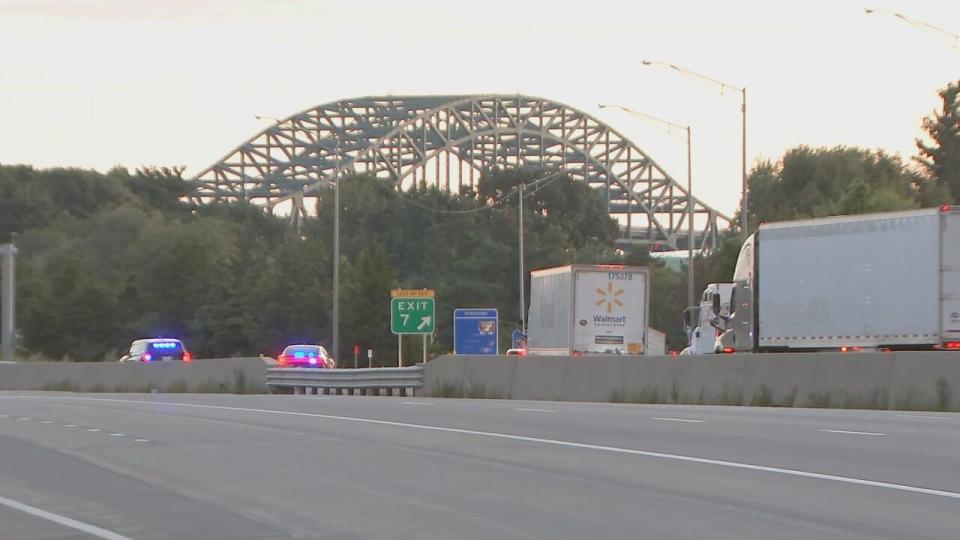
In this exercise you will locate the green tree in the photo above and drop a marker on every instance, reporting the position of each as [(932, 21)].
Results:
[(365, 306), (939, 160), (814, 182)]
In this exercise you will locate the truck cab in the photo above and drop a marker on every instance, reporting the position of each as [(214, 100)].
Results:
[(709, 319)]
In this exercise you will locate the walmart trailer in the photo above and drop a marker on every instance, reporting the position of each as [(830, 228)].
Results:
[(593, 309)]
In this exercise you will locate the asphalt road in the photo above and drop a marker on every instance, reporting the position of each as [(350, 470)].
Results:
[(259, 467)]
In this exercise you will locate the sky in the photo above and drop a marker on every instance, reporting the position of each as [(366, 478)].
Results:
[(100, 83)]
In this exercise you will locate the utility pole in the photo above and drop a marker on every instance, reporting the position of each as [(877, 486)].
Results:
[(8, 331)]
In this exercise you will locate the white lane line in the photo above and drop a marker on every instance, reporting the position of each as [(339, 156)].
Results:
[(852, 432), (417, 403), (923, 416), (523, 438), (62, 520), (47, 422), (3, 416), (92, 429), (24, 418), (69, 425), (533, 410), (142, 440), (678, 420), (118, 434)]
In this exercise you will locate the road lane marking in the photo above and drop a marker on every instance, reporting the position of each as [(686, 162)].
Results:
[(523, 438), (47, 422), (69, 425), (3, 416), (852, 432), (678, 420), (417, 403), (92, 429), (533, 410), (62, 520), (923, 416), (142, 440), (24, 418), (118, 434)]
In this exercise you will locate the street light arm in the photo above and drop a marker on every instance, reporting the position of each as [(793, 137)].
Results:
[(695, 74), (264, 117), (916, 23), (647, 116)]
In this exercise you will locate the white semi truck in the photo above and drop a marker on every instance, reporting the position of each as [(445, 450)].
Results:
[(589, 309), (886, 281)]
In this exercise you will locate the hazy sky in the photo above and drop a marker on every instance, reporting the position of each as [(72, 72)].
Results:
[(101, 83)]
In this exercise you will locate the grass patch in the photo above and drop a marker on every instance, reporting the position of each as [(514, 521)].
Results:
[(944, 394), (179, 387), (762, 397), (62, 386)]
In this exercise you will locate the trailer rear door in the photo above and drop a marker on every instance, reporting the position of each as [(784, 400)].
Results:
[(950, 274)]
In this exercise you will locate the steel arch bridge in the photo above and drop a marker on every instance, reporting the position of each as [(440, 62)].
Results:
[(447, 141)]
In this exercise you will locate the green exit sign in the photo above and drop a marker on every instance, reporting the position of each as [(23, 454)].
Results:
[(412, 312)]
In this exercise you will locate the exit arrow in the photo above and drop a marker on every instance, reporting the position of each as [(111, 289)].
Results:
[(424, 322)]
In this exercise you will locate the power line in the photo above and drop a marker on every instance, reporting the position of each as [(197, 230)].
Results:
[(552, 177)]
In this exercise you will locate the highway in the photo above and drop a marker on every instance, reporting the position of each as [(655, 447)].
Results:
[(172, 466)]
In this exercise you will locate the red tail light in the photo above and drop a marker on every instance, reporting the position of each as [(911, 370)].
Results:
[(952, 345), (945, 209), (283, 359), (146, 357), (729, 350), (187, 357), (843, 349)]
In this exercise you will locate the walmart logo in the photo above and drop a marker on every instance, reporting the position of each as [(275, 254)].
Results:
[(609, 297)]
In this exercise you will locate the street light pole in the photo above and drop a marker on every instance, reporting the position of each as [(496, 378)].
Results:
[(690, 291), (744, 192), (744, 210), (690, 201), (8, 333), (522, 280), (336, 252)]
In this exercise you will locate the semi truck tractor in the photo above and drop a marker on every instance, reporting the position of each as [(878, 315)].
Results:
[(887, 281), (589, 309)]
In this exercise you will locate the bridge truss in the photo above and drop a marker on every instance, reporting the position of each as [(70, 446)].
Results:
[(448, 141)]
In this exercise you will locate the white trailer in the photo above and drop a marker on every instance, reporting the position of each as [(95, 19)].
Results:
[(656, 343), (876, 281), (588, 309)]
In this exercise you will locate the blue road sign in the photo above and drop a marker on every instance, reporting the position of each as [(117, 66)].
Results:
[(475, 331), (518, 339)]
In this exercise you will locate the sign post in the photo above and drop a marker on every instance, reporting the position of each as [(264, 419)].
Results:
[(369, 358), (356, 352), (412, 311)]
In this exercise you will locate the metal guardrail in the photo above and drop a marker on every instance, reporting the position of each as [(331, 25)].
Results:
[(370, 381)]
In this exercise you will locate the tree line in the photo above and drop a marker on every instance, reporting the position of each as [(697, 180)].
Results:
[(106, 258)]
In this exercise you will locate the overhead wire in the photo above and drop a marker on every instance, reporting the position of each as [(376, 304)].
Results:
[(550, 178)]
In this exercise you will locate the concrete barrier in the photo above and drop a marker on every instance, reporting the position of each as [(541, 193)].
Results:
[(229, 375), (901, 380)]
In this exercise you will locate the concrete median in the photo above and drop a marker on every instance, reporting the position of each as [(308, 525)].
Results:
[(901, 380), (227, 375)]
